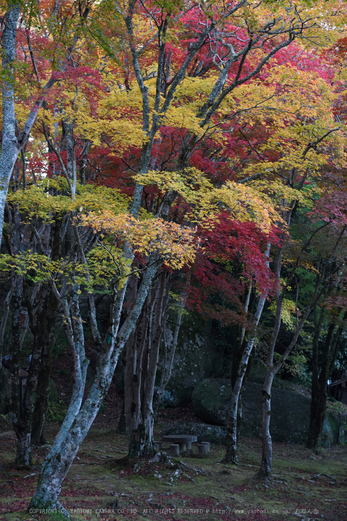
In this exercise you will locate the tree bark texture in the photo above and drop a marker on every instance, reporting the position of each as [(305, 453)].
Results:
[(20, 406), (272, 368), (44, 331), (9, 146), (158, 309)]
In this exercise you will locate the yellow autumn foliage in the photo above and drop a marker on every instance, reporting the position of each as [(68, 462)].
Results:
[(206, 201), (175, 244), (51, 197)]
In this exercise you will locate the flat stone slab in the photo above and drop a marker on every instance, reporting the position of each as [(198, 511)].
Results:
[(180, 438)]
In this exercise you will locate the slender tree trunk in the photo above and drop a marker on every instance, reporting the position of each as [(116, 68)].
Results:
[(266, 440), (132, 387), (23, 454), (45, 332), (70, 155), (18, 405), (4, 380), (83, 161), (28, 386), (266, 458), (6, 310), (45, 328), (121, 427), (133, 374), (232, 421), (317, 415), (11, 143), (141, 368), (314, 426), (27, 380), (271, 371), (151, 358), (238, 379)]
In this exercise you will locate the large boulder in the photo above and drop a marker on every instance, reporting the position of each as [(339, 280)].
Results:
[(192, 362), (210, 400), (289, 418)]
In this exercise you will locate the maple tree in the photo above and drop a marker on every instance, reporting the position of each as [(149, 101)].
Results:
[(323, 279), (329, 315), (288, 187), (163, 101)]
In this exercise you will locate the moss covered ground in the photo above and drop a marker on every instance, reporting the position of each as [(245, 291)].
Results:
[(103, 485)]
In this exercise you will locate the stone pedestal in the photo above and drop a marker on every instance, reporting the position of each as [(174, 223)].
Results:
[(202, 448), (174, 449), (207, 443)]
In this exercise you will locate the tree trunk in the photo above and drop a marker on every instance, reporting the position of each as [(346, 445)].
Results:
[(43, 330), (150, 364), (273, 368), (28, 382), (141, 368), (20, 405), (132, 388), (65, 446), (232, 421), (23, 455), (80, 416), (266, 440), (121, 427), (4, 381), (43, 338), (322, 364), (9, 146), (3, 323), (317, 416), (238, 378), (315, 420), (133, 374)]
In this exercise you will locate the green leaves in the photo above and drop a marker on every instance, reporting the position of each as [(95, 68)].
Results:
[(107, 262)]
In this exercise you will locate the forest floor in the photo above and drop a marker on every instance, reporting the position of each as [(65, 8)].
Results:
[(102, 485)]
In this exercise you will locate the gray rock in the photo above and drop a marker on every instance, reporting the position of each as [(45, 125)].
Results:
[(290, 411), (210, 400), (192, 361)]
